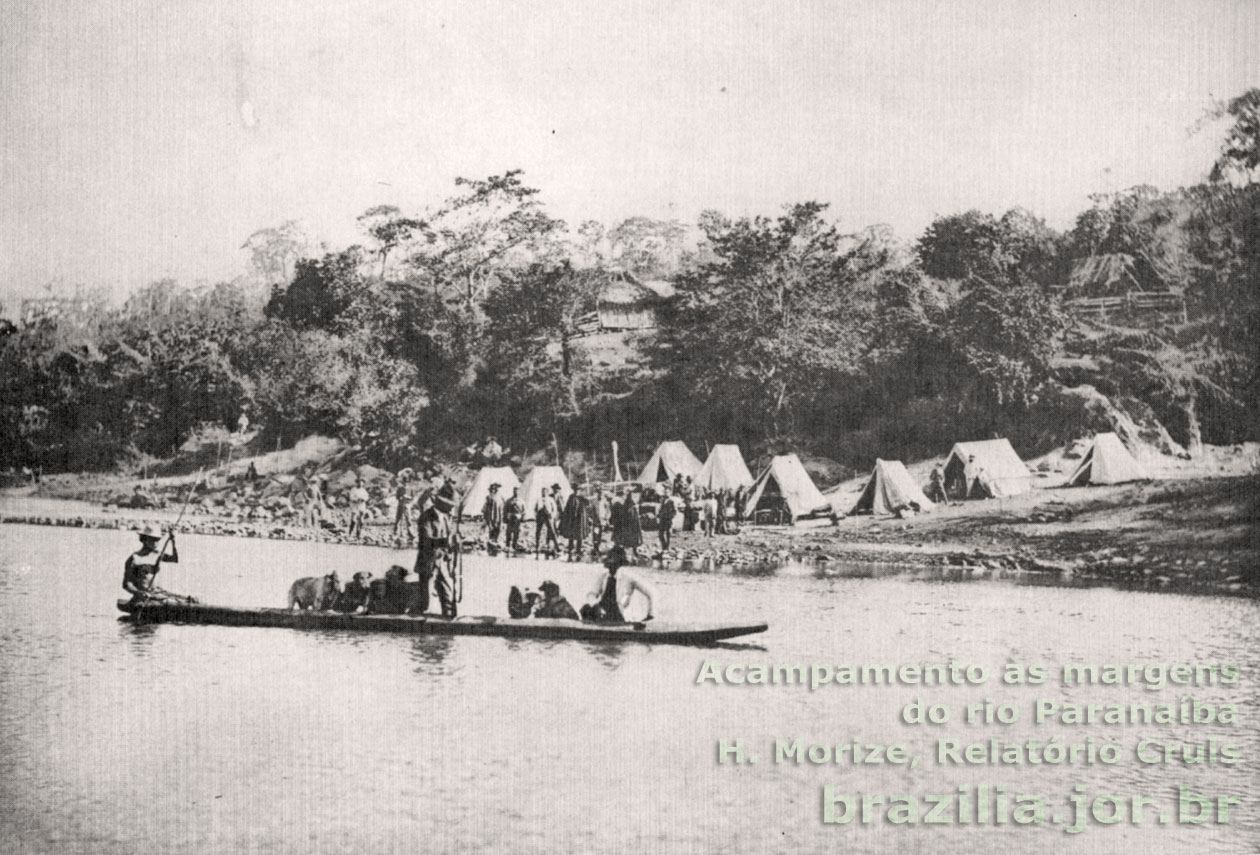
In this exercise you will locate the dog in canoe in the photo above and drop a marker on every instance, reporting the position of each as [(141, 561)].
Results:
[(315, 592)]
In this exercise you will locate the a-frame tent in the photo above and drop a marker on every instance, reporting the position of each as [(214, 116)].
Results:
[(724, 470), (996, 470), (670, 458), (1107, 462), (475, 498), (890, 489), (786, 479), (544, 478)]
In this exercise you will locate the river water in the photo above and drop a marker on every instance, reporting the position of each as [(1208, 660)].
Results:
[(121, 739)]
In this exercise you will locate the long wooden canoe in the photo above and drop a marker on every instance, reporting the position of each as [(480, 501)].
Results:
[(653, 632)]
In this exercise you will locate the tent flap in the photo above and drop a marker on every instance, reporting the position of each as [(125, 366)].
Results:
[(1107, 462), (786, 480), (890, 489), (987, 469), (670, 459)]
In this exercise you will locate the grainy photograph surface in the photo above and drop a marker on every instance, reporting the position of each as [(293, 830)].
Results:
[(663, 427)]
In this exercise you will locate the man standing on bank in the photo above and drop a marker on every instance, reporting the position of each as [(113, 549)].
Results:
[(513, 513), (546, 515), (436, 557), (492, 515)]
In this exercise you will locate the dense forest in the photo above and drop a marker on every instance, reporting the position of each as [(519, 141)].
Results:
[(473, 318)]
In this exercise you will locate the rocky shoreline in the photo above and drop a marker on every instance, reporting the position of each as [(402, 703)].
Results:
[(854, 548)]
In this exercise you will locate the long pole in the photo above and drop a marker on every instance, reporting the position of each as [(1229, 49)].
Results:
[(171, 534)]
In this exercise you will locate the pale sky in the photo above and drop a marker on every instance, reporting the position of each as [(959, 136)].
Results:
[(148, 138)]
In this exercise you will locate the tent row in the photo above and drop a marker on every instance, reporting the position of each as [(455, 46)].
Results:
[(975, 470), (992, 469), (784, 486)]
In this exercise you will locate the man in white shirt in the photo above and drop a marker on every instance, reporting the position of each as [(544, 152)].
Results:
[(614, 590), (358, 508), (546, 515)]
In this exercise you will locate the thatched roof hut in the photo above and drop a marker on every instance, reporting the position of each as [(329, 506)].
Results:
[(625, 303)]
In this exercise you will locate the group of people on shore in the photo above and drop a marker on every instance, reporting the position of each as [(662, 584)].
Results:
[(593, 512), (586, 515)]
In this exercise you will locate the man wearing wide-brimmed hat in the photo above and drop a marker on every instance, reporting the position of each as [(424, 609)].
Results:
[(436, 556), (142, 565), (492, 514)]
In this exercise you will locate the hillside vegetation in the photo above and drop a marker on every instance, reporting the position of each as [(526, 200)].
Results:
[(471, 318)]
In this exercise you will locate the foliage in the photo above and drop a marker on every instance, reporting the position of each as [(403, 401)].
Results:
[(753, 328), (470, 316)]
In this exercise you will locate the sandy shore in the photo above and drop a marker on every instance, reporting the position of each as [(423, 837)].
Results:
[(1192, 534)]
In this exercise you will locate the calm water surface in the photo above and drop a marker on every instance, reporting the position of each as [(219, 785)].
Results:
[(123, 739)]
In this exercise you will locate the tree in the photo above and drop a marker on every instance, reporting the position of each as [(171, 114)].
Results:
[(274, 251), (1225, 243), (1240, 150), (533, 322), (647, 247), (755, 329), (1017, 248), (322, 291), (386, 225), (492, 225)]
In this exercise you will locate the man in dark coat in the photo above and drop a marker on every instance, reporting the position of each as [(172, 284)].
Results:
[(627, 532), (436, 557), (576, 522), (513, 514), (665, 520), (492, 514)]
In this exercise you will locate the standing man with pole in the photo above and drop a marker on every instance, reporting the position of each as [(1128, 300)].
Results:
[(436, 556)]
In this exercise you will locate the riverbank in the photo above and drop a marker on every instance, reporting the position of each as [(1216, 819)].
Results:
[(1196, 534)]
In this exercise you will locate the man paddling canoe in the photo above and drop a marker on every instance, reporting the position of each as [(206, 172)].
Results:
[(143, 565)]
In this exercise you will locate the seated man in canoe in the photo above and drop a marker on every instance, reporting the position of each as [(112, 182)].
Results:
[(614, 590), (143, 565), (548, 604), (554, 605)]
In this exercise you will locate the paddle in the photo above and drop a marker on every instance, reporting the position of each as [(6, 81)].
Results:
[(170, 535)]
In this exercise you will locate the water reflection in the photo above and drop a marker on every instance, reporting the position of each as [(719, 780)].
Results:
[(139, 636), (755, 571), (609, 654), (430, 653)]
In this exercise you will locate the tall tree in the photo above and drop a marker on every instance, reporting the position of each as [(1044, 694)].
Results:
[(760, 323), (533, 321), (274, 251), (492, 225), (389, 228)]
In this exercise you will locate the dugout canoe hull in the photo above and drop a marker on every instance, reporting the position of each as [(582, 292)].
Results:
[(653, 632)]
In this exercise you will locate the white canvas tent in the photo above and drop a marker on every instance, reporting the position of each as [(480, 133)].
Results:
[(475, 497), (724, 470), (995, 471), (1107, 462), (890, 489), (785, 478), (670, 459), (542, 478)]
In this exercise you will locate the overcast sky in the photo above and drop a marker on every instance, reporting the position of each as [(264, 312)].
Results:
[(149, 138)]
